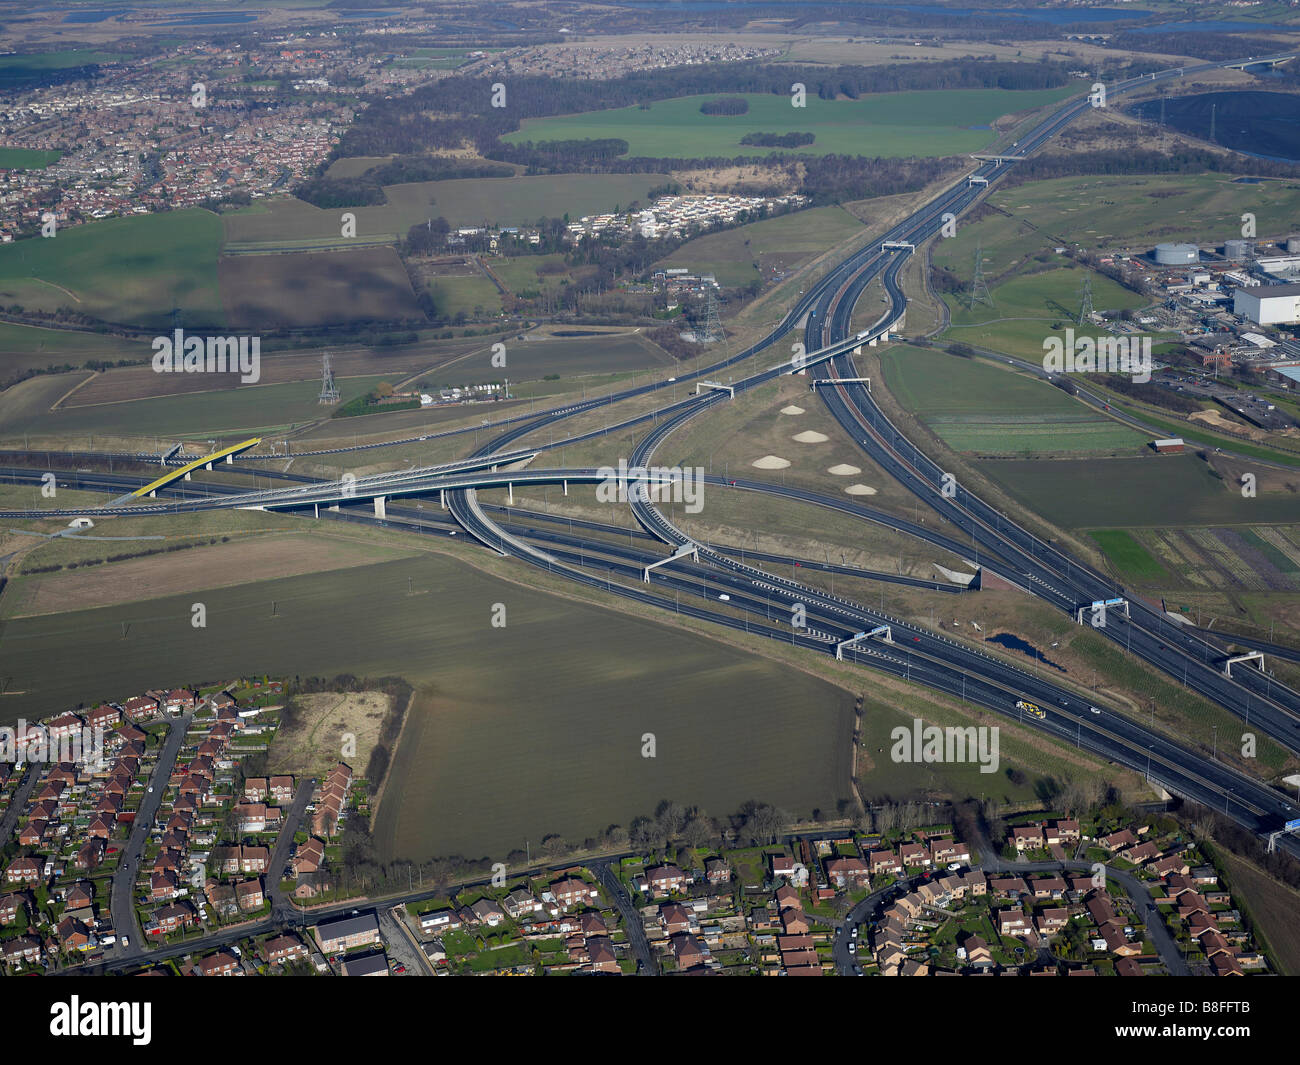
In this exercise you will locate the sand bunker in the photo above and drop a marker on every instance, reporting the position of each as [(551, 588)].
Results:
[(860, 490), (810, 437), (792, 409), (770, 462), (843, 470)]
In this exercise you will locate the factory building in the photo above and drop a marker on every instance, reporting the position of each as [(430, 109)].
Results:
[(1268, 304)]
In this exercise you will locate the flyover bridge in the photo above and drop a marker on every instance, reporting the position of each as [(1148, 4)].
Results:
[(380, 487), (226, 454)]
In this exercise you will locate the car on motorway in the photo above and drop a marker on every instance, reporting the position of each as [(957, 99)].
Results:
[(1094, 710), (725, 597)]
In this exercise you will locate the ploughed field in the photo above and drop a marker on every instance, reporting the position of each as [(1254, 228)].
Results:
[(517, 732)]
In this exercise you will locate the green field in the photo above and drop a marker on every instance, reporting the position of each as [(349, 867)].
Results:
[(884, 124), (1154, 490), (18, 69), (133, 270), (1029, 308), (982, 408), (517, 729), (26, 158), (763, 249), (1136, 211), (1129, 556), (26, 347), (472, 293), (246, 408)]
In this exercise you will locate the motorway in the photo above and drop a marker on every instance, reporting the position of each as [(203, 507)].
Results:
[(997, 542)]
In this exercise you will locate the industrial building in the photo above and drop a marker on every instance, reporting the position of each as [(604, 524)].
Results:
[(1177, 254), (1268, 304)]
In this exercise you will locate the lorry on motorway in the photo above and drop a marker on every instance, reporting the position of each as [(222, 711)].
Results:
[(1031, 709)]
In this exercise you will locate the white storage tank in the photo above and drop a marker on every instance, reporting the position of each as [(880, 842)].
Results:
[(1293, 246), (1237, 250), (1177, 254)]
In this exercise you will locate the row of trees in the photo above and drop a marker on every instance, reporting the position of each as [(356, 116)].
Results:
[(1145, 161)]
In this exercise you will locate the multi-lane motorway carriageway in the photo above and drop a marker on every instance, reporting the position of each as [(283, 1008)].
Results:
[(933, 660), (759, 603)]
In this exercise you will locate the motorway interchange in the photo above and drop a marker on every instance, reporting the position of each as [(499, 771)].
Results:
[(759, 602)]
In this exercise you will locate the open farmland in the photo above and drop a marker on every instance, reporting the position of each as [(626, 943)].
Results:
[(25, 408), (1140, 210), (27, 347), (1262, 558), (504, 713), (881, 124), (1174, 490), (123, 383), (133, 270), (198, 568), (316, 288), (767, 249), (984, 409)]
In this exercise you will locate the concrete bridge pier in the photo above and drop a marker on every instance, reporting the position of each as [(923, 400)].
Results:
[(381, 511)]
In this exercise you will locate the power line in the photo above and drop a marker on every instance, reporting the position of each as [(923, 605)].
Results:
[(329, 391), (979, 289)]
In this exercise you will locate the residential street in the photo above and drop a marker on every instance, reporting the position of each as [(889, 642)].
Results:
[(122, 905)]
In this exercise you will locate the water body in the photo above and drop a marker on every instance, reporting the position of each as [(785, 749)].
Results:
[(1262, 124), (1015, 643)]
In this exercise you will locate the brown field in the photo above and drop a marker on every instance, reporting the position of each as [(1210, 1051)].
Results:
[(1273, 906), (217, 566), (1216, 420), (315, 745), (313, 288)]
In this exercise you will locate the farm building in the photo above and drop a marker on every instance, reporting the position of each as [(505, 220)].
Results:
[(1169, 447)]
